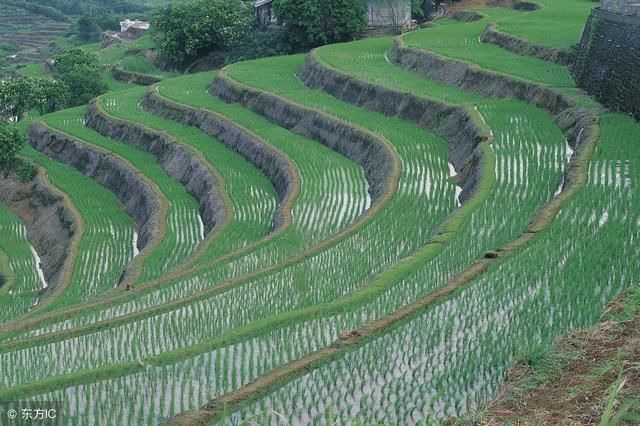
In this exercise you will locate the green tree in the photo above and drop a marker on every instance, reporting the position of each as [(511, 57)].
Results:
[(310, 23), (80, 72), (12, 139), (192, 28), (16, 97), (50, 94), (88, 29)]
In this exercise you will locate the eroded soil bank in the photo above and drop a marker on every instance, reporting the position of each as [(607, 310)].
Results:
[(573, 383), (50, 224), (136, 195), (175, 159)]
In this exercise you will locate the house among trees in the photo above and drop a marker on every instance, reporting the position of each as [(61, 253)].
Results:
[(389, 13), (264, 11), (380, 13)]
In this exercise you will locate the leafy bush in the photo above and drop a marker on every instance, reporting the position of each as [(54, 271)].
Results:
[(12, 139), (193, 28), (313, 23), (25, 171), (80, 71)]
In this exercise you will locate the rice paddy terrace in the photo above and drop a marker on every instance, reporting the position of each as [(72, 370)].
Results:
[(370, 233)]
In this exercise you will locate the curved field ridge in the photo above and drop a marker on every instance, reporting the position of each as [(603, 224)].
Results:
[(53, 227), (574, 180), (521, 46), (272, 161), (180, 226), (360, 146), (140, 197), (198, 177)]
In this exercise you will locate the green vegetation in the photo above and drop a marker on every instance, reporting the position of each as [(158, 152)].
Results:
[(79, 70), (317, 22), (191, 28), (183, 230), (18, 260), (407, 308), (11, 142)]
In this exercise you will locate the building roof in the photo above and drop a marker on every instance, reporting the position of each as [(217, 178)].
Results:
[(259, 3)]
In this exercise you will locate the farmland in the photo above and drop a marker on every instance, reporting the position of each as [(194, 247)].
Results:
[(337, 237)]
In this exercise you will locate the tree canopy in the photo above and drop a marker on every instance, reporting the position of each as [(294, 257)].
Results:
[(12, 139), (80, 72), (312, 23), (192, 28)]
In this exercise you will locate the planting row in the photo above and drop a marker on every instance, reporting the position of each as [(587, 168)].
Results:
[(452, 358), (20, 267), (183, 228), (405, 224)]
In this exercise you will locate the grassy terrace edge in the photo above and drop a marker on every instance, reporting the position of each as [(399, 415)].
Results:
[(221, 194), (385, 280), (283, 215), (390, 190), (575, 179), (136, 265), (72, 251)]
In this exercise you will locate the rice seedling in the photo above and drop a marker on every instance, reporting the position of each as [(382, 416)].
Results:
[(106, 246), (184, 229), (452, 358), (20, 265)]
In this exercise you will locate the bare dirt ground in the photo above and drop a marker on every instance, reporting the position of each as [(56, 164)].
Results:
[(585, 373)]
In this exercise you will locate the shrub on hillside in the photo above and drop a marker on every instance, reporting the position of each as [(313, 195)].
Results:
[(193, 28), (312, 23), (12, 139), (80, 71)]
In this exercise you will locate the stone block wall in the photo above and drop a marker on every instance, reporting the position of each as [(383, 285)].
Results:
[(607, 64)]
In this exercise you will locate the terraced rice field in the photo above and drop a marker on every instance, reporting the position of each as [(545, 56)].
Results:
[(463, 42), (183, 229), (558, 24), (106, 246), (334, 303), (427, 368), (19, 263)]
